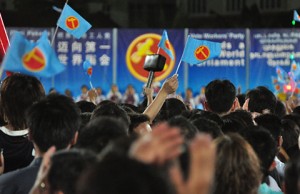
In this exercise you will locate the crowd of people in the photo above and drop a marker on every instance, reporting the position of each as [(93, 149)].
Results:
[(238, 144)]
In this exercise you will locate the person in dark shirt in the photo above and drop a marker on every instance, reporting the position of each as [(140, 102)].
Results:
[(54, 120), (17, 93)]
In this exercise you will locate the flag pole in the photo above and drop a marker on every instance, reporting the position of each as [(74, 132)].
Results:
[(56, 29), (178, 66)]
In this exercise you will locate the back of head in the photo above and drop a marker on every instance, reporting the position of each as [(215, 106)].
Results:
[(207, 126), (232, 125), (290, 135), (66, 168), (272, 123), (115, 175), (263, 144), (237, 166), (110, 109), (280, 110), (99, 132), (171, 107), (135, 120), (53, 121), (187, 129), (292, 176), (260, 99), (208, 115), (86, 106), (18, 93), (220, 95), (244, 116)]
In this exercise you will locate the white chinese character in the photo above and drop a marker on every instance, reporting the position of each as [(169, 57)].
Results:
[(62, 47), (99, 36), (77, 59), (91, 58), (60, 35), (106, 35), (90, 47), (104, 60), (68, 36), (76, 46), (91, 35), (63, 58)]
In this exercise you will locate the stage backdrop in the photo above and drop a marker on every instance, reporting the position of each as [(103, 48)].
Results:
[(134, 45), (231, 64), (271, 48)]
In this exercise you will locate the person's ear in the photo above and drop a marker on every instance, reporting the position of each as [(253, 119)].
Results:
[(235, 105), (74, 140), (206, 106)]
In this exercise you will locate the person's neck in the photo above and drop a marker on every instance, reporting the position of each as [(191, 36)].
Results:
[(11, 128)]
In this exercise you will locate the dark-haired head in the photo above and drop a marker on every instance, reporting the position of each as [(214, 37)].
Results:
[(220, 96), (99, 132), (17, 93), (85, 106), (54, 120), (208, 126)]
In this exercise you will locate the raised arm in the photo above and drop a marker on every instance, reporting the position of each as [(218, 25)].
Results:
[(169, 87)]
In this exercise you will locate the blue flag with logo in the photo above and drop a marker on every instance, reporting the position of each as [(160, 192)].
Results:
[(198, 51), (296, 16), (164, 44), (37, 59), (72, 22)]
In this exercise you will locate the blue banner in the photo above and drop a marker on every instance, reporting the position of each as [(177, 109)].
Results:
[(95, 46), (271, 48), (134, 45), (231, 64)]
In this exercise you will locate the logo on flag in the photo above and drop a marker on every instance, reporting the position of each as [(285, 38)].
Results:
[(34, 60), (198, 51), (37, 59), (202, 53), (136, 53), (72, 22), (164, 44)]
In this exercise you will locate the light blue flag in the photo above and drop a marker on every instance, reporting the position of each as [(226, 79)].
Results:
[(198, 51), (296, 16), (37, 59), (72, 22), (164, 44)]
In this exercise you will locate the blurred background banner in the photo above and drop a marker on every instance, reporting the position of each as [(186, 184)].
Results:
[(271, 48), (231, 64), (248, 57), (134, 44)]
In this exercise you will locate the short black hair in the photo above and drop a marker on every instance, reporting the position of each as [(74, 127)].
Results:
[(280, 110), (260, 99), (208, 126), (53, 121), (207, 115), (85, 119), (99, 132), (296, 110), (244, 116), (263, 144), (290, 136), (272, 123), (172, 107), (86, 106), (220, 95), (292, 176), (241, 98), (17, 93), (66, 169), (187, 129), (111, 109), (114, 174), (232, 125), (135, 120)]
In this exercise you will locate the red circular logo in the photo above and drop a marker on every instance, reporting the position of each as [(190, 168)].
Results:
[(72, 22), (34, 60), (138, 49), (202, 53)]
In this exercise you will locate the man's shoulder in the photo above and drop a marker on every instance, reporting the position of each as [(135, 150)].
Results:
[(18, 180)]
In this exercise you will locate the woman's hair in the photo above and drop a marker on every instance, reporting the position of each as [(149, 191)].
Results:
[(237, 166), (17, 93)]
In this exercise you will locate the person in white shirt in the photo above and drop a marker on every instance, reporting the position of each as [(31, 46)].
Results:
[(114, 94), (130, 96)]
